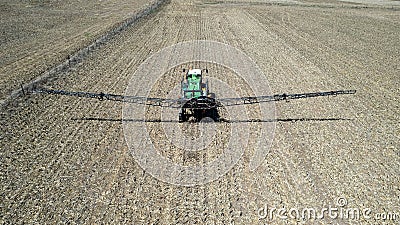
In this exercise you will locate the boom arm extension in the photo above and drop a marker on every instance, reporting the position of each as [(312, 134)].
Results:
[(172, 103), (280, 97)]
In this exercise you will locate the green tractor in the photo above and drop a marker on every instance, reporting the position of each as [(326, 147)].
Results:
[(199, 103)]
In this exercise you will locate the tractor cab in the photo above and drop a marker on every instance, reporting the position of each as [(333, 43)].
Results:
[(193, 86)]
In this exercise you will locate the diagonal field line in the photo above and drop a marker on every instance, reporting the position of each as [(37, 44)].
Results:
[(81, 54)]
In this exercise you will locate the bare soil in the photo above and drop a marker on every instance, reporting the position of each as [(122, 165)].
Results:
[(65, 159), (36, 35)]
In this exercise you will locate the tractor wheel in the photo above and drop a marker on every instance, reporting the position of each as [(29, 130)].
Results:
[(213, 114), (182, 117)]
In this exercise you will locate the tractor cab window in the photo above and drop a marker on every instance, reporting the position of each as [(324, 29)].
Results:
[(190, 76), (193, 76)]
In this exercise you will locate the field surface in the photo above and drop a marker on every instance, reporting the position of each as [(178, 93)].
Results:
[(37, 34), (66, 159)]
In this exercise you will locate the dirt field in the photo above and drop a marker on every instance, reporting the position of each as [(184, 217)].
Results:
[(65, 159), (38, 34)]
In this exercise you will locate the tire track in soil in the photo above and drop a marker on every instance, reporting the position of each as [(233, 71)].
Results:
[(246, 200), (307, 177), (43, 56), (161, 189), (150, 131), (32, 188), (73, 108), (344, 58), (301, 186), (155, 35), (341, 57), (307, 171), (49, 70), (203, 157), (74, 134), (351, 83), (288, 32), (217, 203), (248, 24), (77, 129)]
